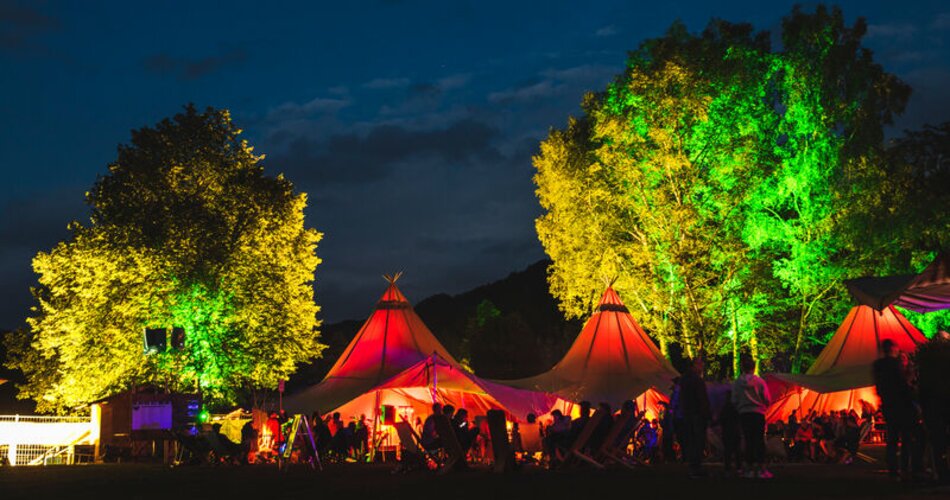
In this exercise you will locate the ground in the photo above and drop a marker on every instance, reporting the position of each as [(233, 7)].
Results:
[(378, 481)]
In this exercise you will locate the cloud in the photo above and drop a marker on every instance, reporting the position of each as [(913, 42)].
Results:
[(453, 81), (610, 30), (355, 158), (556, 82), (941, 22), (528, 92), (901, 31), (191, 68), (424, 91), (386, 83), (316, 106), (21, 24), (907, 56), (584, 73), (420, 97)]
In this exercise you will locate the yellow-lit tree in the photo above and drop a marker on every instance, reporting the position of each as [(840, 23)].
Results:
[(186, 231)]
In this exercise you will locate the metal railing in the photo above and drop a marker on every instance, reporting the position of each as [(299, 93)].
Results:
[(59, 454), (44, 419), (44, 439)]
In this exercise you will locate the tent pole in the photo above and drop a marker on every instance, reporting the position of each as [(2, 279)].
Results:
[(372, 455), (435, 381)]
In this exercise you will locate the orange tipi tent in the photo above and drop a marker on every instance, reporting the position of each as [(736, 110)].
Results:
[(391, 340), (612, 360), (841, 376)]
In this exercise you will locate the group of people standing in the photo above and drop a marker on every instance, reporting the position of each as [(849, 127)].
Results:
[(915, 403), (914, 409), (742, 418)]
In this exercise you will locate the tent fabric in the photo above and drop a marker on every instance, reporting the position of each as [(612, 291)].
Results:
[(845, 362), (391, 340), (439, 380), (841, 376), (612, 360), (804, 400), (925, 292)]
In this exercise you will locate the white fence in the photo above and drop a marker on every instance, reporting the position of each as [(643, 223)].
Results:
[(42, 440)]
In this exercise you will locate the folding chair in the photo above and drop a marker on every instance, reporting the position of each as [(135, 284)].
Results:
[(455, 456), (614, 447), (580, 442), (504, 456), (413, 454)]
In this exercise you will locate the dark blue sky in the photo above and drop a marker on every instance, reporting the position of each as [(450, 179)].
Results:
[(410, 124)]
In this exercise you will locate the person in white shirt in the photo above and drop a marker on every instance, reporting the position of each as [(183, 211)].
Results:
[(751, 398)]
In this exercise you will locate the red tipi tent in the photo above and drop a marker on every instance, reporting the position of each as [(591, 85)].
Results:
[(841, 376), (612, 360), (391, 340)]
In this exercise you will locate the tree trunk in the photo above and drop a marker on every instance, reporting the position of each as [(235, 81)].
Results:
[(754, 347), (735, 343), (797, 354)]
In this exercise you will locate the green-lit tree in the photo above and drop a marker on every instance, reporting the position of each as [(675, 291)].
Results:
[(645, 187), (833, 103), (187, 231), (711, 178)]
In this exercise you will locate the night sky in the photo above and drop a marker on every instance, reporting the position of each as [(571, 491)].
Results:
[(410, 124)]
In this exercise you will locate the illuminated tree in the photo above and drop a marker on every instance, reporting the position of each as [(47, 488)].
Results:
[(709, 179), (648, 186), (833, 103), (187, 231), (904, 185)]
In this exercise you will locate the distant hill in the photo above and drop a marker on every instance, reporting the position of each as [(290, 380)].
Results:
[(522, 334), (528, 336)]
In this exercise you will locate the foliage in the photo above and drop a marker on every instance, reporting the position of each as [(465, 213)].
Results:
[(929, 323), (904, 186), (714, 180), (502, 345), (186, 230)]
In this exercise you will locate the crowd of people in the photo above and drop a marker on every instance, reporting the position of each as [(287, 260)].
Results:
[(912, 418), (831, 437)]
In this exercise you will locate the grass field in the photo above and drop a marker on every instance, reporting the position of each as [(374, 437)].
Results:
[(378, 481)]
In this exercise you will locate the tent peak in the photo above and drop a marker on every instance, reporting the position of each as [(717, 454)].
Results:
[(392, 278), (610, 301)]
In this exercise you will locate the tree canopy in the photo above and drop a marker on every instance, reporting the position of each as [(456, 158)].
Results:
[(716, 178), (186, 231)]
